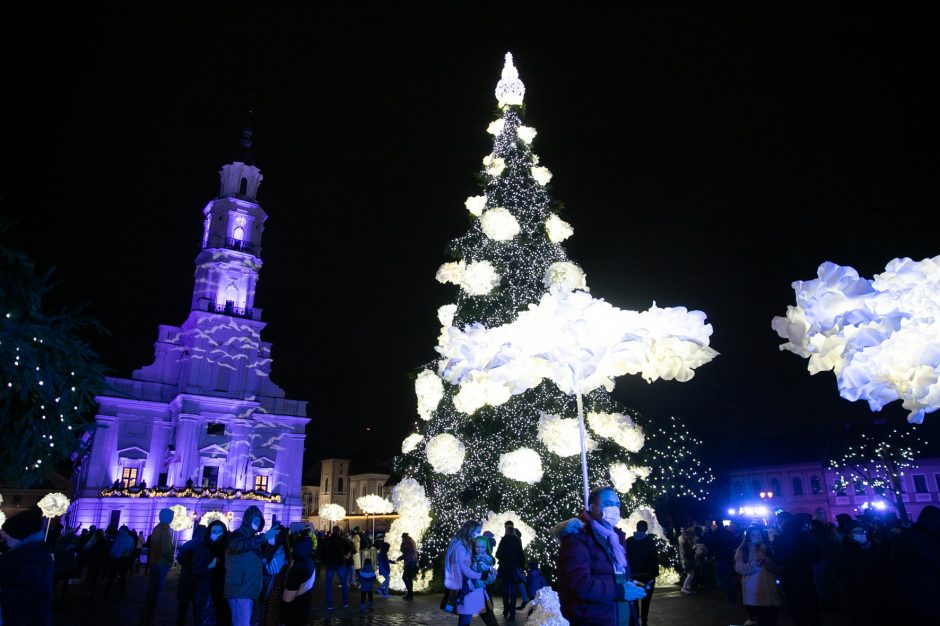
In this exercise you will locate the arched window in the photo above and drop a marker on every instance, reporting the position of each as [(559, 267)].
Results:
[(339, 485), (815, 485), (775, 486), (243, 187), (231, 295), (755, 486), (327, 483), (797, 486), (238, 233)]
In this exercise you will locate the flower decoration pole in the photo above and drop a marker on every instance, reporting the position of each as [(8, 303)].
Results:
[(53, 505)]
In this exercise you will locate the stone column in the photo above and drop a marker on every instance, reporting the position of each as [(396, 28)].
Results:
[(187, 447), (159, 438), (102, 468)]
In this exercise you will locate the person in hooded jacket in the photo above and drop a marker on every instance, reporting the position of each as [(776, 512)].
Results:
[(298, 588), (243, 565), (160, 559), (276, 562), (594, 583), (194, 585), (26, 571), (217, 539)]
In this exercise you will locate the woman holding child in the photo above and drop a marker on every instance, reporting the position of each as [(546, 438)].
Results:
[(467, 575)]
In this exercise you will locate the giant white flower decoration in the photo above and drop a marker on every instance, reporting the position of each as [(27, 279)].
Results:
[(430, 390), (496, 524), (565, 274), (210, 516), (619, 427), (479, 278), (476, 204), (53, 504), (560, 435), (522, 464), (445, 453), (623, 477), (645, 513), (496, 127), (494, 165), (181, 519), (478, 391), (374, 504), (450, 272), (499, 224), (558, 229), (410, 443), (526, 134), (546, 609), (880, 337), (445, 314), (332, 511), (414, 518), (541, 175)]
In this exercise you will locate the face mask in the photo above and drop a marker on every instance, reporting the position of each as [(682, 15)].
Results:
[(255, 524), (611, 515), (215, 536), (859, 537)]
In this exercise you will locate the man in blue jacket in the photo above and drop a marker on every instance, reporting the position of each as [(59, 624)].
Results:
[(243, 565), (25, 572)]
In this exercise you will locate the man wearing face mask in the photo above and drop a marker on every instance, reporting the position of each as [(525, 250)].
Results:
[(594, 580), (243, 565)]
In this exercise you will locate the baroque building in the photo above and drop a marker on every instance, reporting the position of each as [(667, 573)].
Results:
[(203, 425)]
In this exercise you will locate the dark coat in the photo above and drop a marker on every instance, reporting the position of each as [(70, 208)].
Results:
[(296, 610), (26, 585), (643, 558), (915, 567), (587, 586), (243, 559), (194, 558), (510, 556), (333, 550)]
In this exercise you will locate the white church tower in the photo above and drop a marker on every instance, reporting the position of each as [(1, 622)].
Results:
[(203, 425)]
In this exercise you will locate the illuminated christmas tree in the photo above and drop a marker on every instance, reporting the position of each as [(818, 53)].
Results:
[(525, 351)]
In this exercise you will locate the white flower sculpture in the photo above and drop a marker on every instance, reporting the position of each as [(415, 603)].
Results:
[(480, 390), (3, 517), (476, 204), (646, 514), (479, 278), (445, 314), (450, 272), (541, 175), (496, 524), (429, 389), (374, 504), (210, 516), (547, 609), (560, 435), (496, 127), (622, 477), (332, 511), (414, 518), (53, 505), (445, 453), (499, 224), (619, 427), (526, 134), (410, 443), (181, 519), (578, 342), (880, 337), (565, 274), (523, 465), (557, 229), (494, 165)]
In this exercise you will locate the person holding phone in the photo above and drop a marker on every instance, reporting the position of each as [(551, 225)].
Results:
[(754, 561)]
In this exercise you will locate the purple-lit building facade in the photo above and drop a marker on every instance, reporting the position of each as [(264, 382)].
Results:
[(811, 488), (203, 425)]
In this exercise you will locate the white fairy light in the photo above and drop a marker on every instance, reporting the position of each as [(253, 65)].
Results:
[(509, 89)]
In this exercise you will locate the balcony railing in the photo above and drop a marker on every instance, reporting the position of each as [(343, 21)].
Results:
[(238, 245), (229, 309)]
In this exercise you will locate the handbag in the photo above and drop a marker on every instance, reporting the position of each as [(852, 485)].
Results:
[(449, 601)]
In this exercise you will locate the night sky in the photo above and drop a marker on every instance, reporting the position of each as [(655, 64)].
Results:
[(705, 159)]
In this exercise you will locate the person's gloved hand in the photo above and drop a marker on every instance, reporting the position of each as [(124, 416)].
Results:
[(574, 525), (633, 591)]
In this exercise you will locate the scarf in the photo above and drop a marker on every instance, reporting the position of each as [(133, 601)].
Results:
[(618, 554)]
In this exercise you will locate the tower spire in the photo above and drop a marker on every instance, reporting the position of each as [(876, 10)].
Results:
[(244, 154), (509, 89)]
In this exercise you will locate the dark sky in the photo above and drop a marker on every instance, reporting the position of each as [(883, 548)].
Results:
[(706, 159)]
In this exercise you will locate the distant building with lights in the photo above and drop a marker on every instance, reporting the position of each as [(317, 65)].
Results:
[(811, 488), (203, 425), (337, 486)]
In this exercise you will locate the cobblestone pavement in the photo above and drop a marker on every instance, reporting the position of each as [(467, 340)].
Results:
[(669, 607)]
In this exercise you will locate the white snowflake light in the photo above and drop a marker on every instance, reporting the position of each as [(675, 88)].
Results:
[(523, 465), (476, 204), (429, 389), (332, 511), (619, 427), (53, 504), (494, 165), (445, 453), (374, 504), (499, 224), (541, 175), (566, 275), (880, 337), (557, 229), (496, 524), (509, 89), (560, 435), (410, 443), (526, 134), (479, 278), (496, 127)]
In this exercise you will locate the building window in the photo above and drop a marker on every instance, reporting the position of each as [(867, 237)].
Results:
[(839, 487), (755, 486), (210, 477), (362, 490), (161, 480), (738, 488), (920, 483), (775, 486), (859, 487), (339, 485), (937, 478), (214, 429), (815, 485), (261, 482), (797, 483), (327, 487), (129, 477)]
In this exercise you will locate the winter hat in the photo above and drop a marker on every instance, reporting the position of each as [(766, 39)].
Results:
[(24, 524), (166, 516)]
